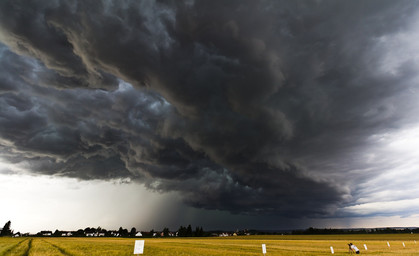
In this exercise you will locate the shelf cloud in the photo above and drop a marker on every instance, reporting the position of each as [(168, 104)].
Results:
[(251, 107)]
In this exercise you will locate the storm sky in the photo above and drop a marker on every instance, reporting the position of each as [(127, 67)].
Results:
[(223, 114)]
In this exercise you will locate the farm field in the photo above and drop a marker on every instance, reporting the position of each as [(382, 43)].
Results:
[(249, 245)]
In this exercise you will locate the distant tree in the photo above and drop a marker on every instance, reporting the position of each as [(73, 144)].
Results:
[(89, 230), (150, 233), (181, 231), (79, 232), (133, 231), (189, 231), (199, 231), (6, 231), (123, 231), (166, 232), (57, 233)]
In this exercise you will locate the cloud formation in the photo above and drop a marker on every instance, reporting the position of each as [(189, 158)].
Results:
[(254, 107)]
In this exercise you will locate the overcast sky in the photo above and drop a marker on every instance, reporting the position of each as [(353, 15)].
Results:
[(223, 114)]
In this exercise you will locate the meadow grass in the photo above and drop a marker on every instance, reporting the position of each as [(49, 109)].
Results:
[(214, 246), (12, 246)]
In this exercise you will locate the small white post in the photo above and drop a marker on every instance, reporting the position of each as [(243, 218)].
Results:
[(139, 247), (331, 249), (365, 246), (388, 244), (264, 249), (404, 245), (415, 241)]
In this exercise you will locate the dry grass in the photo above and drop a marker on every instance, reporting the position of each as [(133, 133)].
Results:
[(231, 246)]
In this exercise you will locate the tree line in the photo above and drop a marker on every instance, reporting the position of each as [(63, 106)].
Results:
[(199, 232), (187, 232), (328, 231), (121, 232)]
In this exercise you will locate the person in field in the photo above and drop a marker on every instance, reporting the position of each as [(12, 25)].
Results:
[(353, 248)]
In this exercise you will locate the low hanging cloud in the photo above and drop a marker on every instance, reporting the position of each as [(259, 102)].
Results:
[(254, 107)]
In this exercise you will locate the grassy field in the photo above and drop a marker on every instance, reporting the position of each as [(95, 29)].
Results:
[(249, 245)]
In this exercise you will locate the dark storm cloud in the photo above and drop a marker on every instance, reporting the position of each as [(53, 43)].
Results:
[(246, 106)]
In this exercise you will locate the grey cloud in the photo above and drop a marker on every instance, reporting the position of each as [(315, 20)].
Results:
[(243, 106), (28, 29)]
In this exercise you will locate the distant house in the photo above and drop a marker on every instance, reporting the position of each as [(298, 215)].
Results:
[(114, 233), (96, 234), (45, 233), (139, 234), (66, 233)]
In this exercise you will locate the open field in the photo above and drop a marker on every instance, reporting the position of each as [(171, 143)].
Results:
[(250, 245)]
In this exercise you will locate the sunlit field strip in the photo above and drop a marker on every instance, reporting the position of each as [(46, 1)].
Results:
[(11, 246), (93, 246), (249, 245), (239, 246), (8, 243), (42, 247)]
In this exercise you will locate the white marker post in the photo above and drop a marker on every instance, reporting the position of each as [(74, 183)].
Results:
[(404, 245), (139, 247), (264, 249), (415, 241), (388, 244), (365, 246), (331, 250)]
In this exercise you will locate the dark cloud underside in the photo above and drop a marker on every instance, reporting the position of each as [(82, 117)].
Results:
[(247, 106)]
